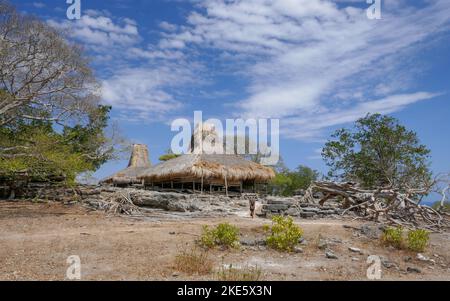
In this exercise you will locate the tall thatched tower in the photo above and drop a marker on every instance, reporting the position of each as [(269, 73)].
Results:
[(206, 130), (139, 156)]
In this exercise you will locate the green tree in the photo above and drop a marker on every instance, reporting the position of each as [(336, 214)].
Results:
[(378, 152), (168, 156), (51, 123), (287, 182)]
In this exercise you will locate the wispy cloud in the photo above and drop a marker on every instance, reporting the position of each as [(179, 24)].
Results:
[(314, 59)]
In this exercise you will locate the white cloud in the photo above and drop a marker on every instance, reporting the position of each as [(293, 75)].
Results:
[(310, 126), (145, 93), (316, 58), (140, 93), (39, 4), (96, 29)]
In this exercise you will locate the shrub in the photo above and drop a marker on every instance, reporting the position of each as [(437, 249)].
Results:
[(284, 234), (418, 240), (193, 261), (393, 236), (223, 235), (229, 273)]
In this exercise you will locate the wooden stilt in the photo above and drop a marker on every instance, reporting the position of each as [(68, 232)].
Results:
[(210, 188), (226, 185), (201, 186), (171, 184), (193, 186), (241, 187)]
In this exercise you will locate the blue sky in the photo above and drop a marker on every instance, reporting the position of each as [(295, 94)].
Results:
[(318, 65)]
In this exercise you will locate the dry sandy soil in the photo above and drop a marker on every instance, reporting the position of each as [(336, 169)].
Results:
[(37, 239)]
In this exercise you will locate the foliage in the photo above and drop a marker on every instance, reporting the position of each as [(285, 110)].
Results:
[(168, 157), (44, 77), (378, 152), (284, 234), (194, 261), (287, 182), (418, 240), (230, 273), (393, 236), (51, 123), (41, 151), (223, 235)]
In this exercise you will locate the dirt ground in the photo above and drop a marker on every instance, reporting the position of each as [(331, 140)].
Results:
[(37, 238)]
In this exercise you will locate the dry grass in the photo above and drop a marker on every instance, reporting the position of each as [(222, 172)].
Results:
[(194, 262), (230, 273)]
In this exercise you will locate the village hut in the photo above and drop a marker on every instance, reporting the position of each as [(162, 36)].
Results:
[(213, 173), (139, 161)]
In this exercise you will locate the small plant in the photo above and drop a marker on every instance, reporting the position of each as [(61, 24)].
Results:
[(393, 236), (418, 240), (230, 273), (284, 234), (194, 261), (223, 235)]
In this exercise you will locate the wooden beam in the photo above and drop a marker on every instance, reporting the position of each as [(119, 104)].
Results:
[(201, 186), (226, 185)]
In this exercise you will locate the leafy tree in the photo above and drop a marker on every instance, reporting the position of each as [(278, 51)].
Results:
[(378, 152), (51, 123), (168, 156), (42, 75), (287, 182)]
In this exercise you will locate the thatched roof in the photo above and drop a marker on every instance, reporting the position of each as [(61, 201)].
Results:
[(139, 161), (231, 167)]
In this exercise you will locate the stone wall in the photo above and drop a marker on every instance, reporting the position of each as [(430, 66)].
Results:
[(294, 207)]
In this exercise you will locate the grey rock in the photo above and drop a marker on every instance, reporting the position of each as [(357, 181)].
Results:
[(307, 214), (407, 258), (422, 258), (323, 244), (413, 270), (330, 255), (355, 250), (308, 209), (293, 212), (389, 264), (298, 250), (275, 207), (371, 231)]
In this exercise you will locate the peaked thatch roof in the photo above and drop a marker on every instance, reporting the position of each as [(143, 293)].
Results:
[(231, 167), (139, 161)]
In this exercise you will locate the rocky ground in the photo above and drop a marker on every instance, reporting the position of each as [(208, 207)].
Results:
[(37, 238)]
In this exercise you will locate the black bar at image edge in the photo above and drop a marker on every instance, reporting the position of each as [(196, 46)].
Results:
[(212, 290)]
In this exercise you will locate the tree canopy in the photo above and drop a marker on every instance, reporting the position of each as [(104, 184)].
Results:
[(287, 182), (378, 152), (51, 120)]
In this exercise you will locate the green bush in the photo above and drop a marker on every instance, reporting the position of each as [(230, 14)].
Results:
[(418, 240), (284, 234), (223, 235), (393, 236)]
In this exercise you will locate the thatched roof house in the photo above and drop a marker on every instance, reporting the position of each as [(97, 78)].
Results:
[(201, 171), (139, 161)]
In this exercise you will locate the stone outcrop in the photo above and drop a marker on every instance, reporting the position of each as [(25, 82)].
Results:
[(178, 202), (293, 207)]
